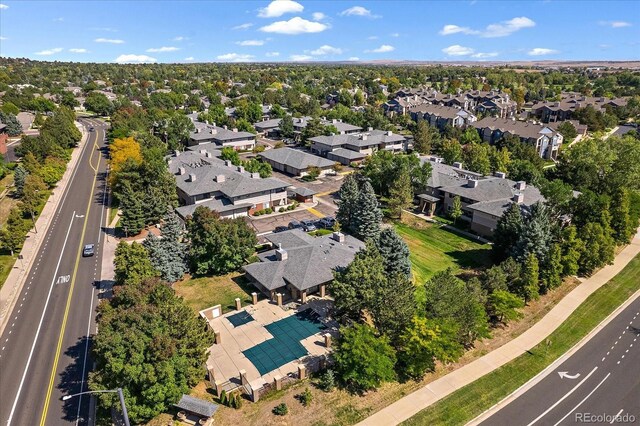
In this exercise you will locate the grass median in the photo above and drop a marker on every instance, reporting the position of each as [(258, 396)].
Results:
[(467, 403)]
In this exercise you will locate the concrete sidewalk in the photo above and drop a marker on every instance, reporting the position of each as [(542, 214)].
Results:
[(411, 404), (20, 271)]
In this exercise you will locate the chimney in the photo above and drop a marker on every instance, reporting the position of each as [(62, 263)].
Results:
[(521, 185), (338, 236), (472, 183), (208, 154), (240, 169), (500, 175), (219, 178), (228, 163), (213, 124), (281, 254), (363, 137), (214, 131), (192, 177), (224, 127), (168, 161), (176, 153), (334, 121), (389, 133), (235, 130), (518, 198), (203, 151), (181, 170), (255, 175), (370, 129), (457, 165), (197, 130)]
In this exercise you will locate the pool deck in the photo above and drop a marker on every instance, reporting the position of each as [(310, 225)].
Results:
[(226, 360)]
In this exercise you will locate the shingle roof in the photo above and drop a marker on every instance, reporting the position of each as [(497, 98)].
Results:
[(524, 129), (267, 124), (295, 158), (373, 137), (210, 132), (219, 205), (347, 154), (439, 110), (197, 406), (310, 261)]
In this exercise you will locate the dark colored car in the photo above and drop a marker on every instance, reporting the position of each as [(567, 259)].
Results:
[(294, 224), (88, 250), (91, 129), (280, 229), (308, 225), (327, 222)]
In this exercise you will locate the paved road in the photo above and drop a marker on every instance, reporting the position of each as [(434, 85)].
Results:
[(603, 380), (44, 350)]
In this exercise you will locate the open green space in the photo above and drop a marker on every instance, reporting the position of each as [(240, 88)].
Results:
[(434, 249), (205, 292), (467, 403)]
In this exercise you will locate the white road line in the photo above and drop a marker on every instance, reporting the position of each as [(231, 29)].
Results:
[(564, 397), (44, 310), (616, 417), (583, 400), (86, 350)]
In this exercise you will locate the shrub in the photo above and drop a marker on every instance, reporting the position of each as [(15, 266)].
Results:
[(281, 409), (328, 381), (353, 164), (279, 144), (223, 397), (268, 210), (306, 397), (258, 148), (281, 209)]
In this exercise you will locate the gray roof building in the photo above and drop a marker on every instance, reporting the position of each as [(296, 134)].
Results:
[(197, 406), (295, 159)]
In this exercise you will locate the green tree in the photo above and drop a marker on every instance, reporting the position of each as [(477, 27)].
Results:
[(168, 254), (456, 209), (571, 247), (14, 232), (178, 129), (598, 248), (348, 197), (426, 341), (286, 127), (132, 219), (567, 130), (363, 360), (551, 272), (621, 223), (470, 135), (19, 176), (400, 194), (98, 103), (152, 345), (218, 246), (422, 137), (394, 251), (450, 150), (476, 158), (132, 264), (230, 154), (536, 235), (504, 306), (507, 232), (33, 193), (14, 128), (367, 214), (499, 159), (530, 287), (10, 108), (558, 196)]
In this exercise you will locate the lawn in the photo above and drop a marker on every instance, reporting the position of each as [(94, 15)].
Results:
[(467, 403), (434, 249), (205, 292), (6, 263)]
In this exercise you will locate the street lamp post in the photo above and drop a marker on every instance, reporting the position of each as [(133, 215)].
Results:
[(125, 415)]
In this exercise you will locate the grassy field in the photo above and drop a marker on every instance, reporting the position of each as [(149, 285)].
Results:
[(470, 401), (204, 292), (434, 249), (6, 263)]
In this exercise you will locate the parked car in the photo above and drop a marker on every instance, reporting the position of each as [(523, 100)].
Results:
[(280, 229), (88, 250), (294, 224), (91, 129), (327, 222), (308, 225)]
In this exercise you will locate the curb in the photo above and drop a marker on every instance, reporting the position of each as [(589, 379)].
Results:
[(42, 223)]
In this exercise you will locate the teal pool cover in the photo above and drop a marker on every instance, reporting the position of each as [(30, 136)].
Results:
[(285, 345), (240, 318)]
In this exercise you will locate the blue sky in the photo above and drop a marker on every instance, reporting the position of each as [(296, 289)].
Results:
[(286, 30)]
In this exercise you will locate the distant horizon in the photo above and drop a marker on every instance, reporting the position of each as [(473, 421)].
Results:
[(286, 31)]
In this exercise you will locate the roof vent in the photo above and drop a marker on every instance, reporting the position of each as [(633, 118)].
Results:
[(281, 254), (181, 170), (472, 183), (203, 151), (177, 153), (255, 175), (518, 198), (219, 178), (235, 129), (389, 133), (370, 129), (521, 185), (241, 169), (228, 163), (363, 137), (214, 131), (192, 177), (457, 165), (208, 154), (224, 127), (500, 175), (338, 236)]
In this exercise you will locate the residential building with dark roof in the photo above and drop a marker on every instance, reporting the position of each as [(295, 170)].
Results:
[(484, 198), (334, 147), (220, 136), (544, 139), (300, 264), (295, 161), (564, 109), (203, 179), (440, 116)]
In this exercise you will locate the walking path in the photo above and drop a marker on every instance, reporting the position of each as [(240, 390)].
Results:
[(22, 266), (411, 404)]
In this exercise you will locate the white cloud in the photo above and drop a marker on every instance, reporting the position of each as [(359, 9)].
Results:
[(382, 49), (107, 29), (395, 34), (134, 59), (280, 7), (235, 57), (75, 50), (372, 38), (300, 58), (3, 38), (180, 38), (250, 43), (353, 58), (108, 40), (457, 50), (3, 6), (358, 11), (242, 26), (541, 51), (49, 52), (318, 16), (190, 58), (294, 26), (58, 20), (454, 29), (163, 49), (502, 29), (326, 50), (484, 55), (615, 24)]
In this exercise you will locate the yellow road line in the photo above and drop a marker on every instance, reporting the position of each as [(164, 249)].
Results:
[(315, 212), (66, 311), (322, 194)]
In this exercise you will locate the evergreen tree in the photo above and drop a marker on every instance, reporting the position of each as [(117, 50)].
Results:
[(168, 255), (367, 214), (132, 213), (422, 138), (347, 203), (286, 127), (553, 269), (400, 193), (598, 248), (536, 235), (19, 177), (395, 252), (507, 232), (393, 306), (571, 247), (530, 287)]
